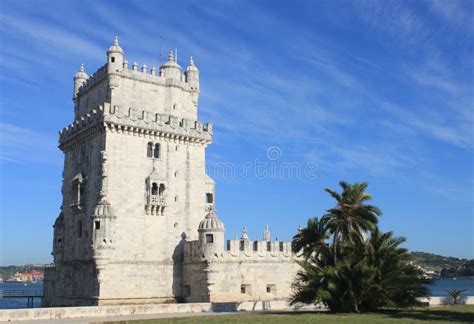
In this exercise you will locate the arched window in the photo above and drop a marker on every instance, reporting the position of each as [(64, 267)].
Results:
[(156, 152), (154, 189), (162, 189), (149, 150)]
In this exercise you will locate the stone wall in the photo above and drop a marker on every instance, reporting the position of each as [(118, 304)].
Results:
[(245, 271), (58, 313), (156, 93), (138, 88)]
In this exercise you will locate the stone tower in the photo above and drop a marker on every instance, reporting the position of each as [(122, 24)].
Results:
[(134, 185)]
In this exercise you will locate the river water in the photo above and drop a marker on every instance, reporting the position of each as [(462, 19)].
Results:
[(437, 288)]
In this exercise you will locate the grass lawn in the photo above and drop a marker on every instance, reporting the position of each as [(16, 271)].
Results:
[(452, 313)]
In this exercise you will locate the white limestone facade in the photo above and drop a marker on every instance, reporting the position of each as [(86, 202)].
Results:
[(137, 222)]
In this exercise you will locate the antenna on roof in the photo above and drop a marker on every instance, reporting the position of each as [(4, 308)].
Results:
[(161, 50), (176, 56)]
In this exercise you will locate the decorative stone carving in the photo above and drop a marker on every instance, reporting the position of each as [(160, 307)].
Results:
[(78, 188)]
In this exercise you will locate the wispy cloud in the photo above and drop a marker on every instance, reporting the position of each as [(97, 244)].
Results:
[(23, 145), (50, 37), (456, 13), (319, 97)]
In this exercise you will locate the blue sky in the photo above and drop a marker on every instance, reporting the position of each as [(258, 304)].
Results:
[(375, 91)]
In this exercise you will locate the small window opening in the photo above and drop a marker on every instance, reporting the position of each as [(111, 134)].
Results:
[(154, 189), (162, 211), (209, 198), (271, 289), (242, 245), (281, 246), (112, 59), (149, 150), (255, 245), (175, 198), (161, 191), (246, 289), (174, 106), (269, 246), (156, 152), (209, 238), (97, 225)]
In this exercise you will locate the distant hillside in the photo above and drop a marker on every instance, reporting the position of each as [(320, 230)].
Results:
[(444, 266)]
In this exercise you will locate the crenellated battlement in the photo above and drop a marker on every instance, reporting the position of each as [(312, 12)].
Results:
[(241, 250), (168, 89), (154, 77), (95, 78), (141, 121), (248, 248), (141, 75), (149, 123), (90, 120)]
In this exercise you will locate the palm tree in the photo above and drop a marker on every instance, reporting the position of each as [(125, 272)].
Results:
[(351, 218), (455, 294), (367, 277), (395, 283), (311, 240), (357, 272)]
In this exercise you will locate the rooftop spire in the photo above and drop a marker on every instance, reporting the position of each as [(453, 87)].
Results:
[(244, 234), (191, 66), (115, 48), (81, 74), (171, 56), (266, 234)]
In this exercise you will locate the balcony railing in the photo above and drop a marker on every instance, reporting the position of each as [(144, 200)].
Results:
[(158, 200)]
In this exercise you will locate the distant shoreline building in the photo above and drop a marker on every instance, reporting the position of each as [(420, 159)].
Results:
[(137, 222), (32, 276)]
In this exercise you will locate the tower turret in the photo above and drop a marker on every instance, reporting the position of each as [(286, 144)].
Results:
[(192, 75), (58, 240), (103, 230), (80, 77), (171, 69), (115, 56), (211, 234)]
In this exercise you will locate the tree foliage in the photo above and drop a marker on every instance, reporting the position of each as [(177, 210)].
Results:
[(349, 264), (455, 294)]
